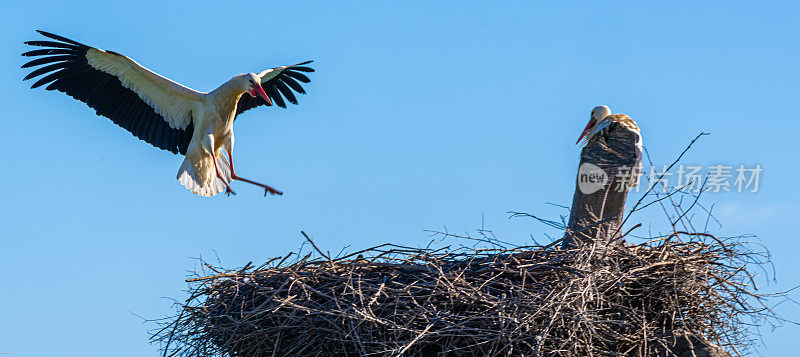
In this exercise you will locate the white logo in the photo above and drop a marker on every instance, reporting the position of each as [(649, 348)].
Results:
[(591, 178)]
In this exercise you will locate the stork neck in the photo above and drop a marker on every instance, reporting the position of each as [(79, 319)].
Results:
[(229, 90), (226, 97)]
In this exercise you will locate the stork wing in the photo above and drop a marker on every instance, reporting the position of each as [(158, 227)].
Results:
[(153, 108), (278, 83)]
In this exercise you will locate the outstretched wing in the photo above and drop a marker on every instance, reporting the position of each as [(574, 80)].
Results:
[(278, 83), (153, 108)]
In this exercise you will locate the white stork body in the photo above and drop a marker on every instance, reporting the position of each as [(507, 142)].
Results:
[(213, 131), (166, 114), (601, 118)]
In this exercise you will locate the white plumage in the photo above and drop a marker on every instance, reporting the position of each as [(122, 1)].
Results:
[(600, 119), (164, 113), (169, 99)]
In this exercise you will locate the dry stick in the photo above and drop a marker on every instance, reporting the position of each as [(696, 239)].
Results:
[(677, 190), (315, 246), (660, 203), (694, 283), (659, 178), (696, 198), (631, 230), (673, 223), (407, 346), (675, 206)]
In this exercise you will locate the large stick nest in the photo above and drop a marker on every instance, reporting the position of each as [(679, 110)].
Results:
[(535, 300)]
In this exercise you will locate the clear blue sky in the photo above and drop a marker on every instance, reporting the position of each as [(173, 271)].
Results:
[(418, 117)]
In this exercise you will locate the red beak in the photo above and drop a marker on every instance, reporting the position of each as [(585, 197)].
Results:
[(262, 94), (585, 130)]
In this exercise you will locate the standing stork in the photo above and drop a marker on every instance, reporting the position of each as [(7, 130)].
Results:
[(601, 118), (164, 113)]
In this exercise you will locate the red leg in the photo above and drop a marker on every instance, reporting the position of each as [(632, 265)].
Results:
[(228, 190), (267, 188)]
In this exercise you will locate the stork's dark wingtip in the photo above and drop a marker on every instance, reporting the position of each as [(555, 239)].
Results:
[(60, 38), (48, 34), (300, 67)]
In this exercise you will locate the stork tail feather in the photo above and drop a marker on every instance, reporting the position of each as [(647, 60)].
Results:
[(202, 179)]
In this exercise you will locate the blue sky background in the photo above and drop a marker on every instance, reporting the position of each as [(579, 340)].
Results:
[(419, 116)]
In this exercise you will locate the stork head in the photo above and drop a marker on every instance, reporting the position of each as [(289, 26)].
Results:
[(599, 113), (253, 87)]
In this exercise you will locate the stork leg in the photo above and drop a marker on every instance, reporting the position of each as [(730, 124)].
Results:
[(228, 190), (267, 188)]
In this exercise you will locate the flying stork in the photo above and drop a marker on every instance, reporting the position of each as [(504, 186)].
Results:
[(601, 118), (164, 113)]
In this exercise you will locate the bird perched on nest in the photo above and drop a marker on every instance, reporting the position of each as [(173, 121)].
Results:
[(164, 113), (600, 119)]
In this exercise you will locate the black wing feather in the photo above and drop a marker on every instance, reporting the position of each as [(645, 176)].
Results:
[(118, 112), (52, 44), (291, 83), (278, 88), (46, 69), (298, 76), (59, 38), (66, 77), (64, 64), (48, 59), (304, 69), (49, 51), (273, 94), (284, 89), (48, 78)]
